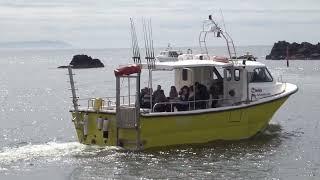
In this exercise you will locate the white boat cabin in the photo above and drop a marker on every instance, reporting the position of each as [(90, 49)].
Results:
[(227, 83)]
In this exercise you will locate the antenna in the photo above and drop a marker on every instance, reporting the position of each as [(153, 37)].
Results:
[(213, 27), (135, 46), (148, 42), (150, 30), (224, 25)]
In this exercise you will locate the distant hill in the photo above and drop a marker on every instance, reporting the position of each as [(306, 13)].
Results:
[(35, 45)]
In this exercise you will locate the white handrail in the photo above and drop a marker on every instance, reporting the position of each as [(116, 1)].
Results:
[(109, 101), (171, 103)]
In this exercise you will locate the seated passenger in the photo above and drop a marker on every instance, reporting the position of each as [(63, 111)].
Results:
[(262, 75), (255, 77), (160, 99), (184, 87), (184, 95), (156, 92), (191, 93), (183, 105), (173, 95), (197, 98), (214, 92), (145, 101), (142, 93), (192, 97), (202, 94)]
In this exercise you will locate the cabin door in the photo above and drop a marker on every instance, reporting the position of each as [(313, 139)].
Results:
[(234, 85)]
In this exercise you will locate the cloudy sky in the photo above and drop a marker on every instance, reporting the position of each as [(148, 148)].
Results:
[(105, 23)]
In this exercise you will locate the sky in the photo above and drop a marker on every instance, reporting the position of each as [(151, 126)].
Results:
[(105, 23)]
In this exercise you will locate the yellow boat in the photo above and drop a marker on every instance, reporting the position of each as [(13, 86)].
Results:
[(234, 99)]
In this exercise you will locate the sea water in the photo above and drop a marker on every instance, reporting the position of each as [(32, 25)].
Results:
[(38, 140)]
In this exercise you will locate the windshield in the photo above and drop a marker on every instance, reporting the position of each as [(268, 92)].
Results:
[(173, 54), (260, 75)]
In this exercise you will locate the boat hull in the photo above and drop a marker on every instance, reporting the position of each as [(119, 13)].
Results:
[(169, 130)]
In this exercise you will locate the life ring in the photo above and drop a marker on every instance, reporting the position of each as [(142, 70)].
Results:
[(127, 70)]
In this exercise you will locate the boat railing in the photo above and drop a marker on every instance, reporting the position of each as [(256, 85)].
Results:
[(205, 104), (194, 105), (107, 102)]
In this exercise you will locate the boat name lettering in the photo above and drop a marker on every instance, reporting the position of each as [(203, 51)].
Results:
[(256, 90)]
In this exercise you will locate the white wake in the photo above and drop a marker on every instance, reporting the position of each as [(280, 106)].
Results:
[(31, 151)]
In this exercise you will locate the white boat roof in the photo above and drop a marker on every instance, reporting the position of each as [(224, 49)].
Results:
[(170, 50), (186, 64), (171, 65)]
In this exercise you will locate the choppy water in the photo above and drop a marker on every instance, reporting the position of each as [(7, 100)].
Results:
[(37, 138)]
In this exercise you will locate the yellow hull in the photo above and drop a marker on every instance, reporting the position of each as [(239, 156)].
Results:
[(168, 130)]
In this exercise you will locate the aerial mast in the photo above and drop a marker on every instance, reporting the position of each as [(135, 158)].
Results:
[(211, 26)]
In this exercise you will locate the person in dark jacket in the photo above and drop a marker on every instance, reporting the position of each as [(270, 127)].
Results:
[(203, 95), (214, 91), (157, 92), (160, 99), (184, 98), (145, 99)]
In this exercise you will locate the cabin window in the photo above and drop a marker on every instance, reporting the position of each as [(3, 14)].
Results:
[(175, 54), (217, 73), (185, 74), (261, 75), (229, 75), (236, 74)]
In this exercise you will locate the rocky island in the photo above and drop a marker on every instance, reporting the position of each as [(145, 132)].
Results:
[(84, 61), (296, 51)]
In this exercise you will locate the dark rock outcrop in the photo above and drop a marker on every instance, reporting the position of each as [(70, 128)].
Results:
[(296, 51), (84, 61)]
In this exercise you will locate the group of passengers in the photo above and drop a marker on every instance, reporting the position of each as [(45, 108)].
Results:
[(188, 98)]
